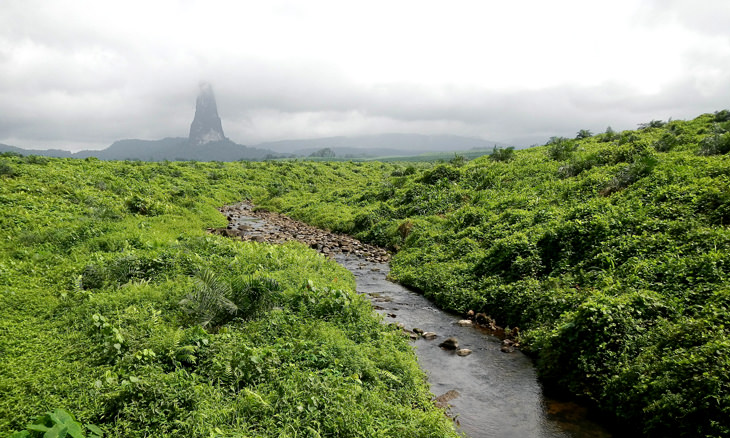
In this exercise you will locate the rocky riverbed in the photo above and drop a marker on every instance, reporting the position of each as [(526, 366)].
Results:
[(279, 228), (489, 393)]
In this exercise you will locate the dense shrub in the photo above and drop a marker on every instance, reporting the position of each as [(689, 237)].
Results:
[(95, 259), (715, 144), (502, 154), (560, 149), (607, 256)]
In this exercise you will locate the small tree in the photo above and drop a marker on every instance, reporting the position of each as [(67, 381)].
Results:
[(583, 133), (502, 154), (609, 135), (651, 124)]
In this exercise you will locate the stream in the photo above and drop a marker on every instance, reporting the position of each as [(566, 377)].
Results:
[(488, 393)]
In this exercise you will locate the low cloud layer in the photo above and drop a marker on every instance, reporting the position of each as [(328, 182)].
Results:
[(81, 75)]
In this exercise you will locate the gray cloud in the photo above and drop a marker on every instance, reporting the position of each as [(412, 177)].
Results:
[(71, 79)]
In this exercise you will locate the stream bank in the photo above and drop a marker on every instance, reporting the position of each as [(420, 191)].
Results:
[(490, 391)]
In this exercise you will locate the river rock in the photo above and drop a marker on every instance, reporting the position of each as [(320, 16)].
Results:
[(429, 335), (465, 323), (450, 343), (463, 352), (443, 400), (411, 335), (508, 346), (417, 330)]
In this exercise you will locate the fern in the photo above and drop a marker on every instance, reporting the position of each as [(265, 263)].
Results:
[(215, 301)]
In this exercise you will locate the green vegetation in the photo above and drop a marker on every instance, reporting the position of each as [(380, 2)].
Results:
[(120, 316), (610, 253)]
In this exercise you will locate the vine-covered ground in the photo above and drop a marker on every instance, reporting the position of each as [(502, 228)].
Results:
[(118, 308), (609, 252)]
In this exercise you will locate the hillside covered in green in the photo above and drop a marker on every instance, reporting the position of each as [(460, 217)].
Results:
[(610, 252), (116, 307)]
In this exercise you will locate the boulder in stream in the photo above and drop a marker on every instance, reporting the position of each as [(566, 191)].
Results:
[(450, 344)]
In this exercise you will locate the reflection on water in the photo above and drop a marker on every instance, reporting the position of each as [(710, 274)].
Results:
[(491, 393)]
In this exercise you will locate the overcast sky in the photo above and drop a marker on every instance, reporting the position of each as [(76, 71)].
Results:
[(82, 74)]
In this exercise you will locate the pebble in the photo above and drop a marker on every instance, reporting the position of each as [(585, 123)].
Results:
[(280, 228)]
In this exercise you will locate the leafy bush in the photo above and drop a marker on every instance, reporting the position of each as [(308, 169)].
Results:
[(560, 149), (216, 301), (583, 133), (630, 174), (502, 154), (715, 144), (722, 116), (608, 135), (144, 206), (96, 256), (652, 124), (36, 159), (58, 423), (6, 169), (441, 172)]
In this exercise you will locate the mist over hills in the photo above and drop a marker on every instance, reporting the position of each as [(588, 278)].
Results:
[(381, 144), (207, 142)]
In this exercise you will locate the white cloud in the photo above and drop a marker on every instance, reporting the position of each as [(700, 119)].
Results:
[(88, 72)]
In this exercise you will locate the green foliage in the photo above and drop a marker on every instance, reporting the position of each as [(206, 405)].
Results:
[(630, 174), (652, 124), (722, 116), (110, 337), (502, 154), (560, 149), (95, 258), (609, 135), (141, 205), (441, 172), (668, 141), (610, 257), (216, 301), (58, 424), (6, 169), (583, 133), (715, 144)]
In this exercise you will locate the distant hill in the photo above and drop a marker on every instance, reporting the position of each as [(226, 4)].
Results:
[(57, 153), (207, 142), (180, 148), (176, 149), (381, 145), (173, 149)]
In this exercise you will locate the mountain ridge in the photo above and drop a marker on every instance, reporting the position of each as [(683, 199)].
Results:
[(181, 149)]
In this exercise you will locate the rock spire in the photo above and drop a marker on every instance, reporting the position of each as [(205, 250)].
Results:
[(206, 126)]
